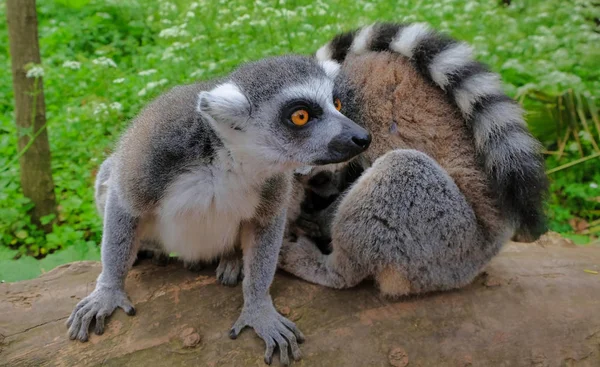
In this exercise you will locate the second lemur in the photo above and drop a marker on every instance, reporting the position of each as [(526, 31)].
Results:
[(451, 175)]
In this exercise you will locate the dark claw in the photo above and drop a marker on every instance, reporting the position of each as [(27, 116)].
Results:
[(130, 312), (232, 334), (268, 360)]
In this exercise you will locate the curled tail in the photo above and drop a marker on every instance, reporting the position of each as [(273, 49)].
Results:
[(509, 154)]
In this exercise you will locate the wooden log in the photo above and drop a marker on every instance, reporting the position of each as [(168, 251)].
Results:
[(536, 305)]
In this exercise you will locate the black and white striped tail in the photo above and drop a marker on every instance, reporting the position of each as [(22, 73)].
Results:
[(510, 155)]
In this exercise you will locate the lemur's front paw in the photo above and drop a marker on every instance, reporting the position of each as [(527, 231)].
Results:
[(230, 270), (101, 303), (274, 329)]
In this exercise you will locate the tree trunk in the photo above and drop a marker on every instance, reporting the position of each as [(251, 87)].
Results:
[(537, 305), (30, 110)]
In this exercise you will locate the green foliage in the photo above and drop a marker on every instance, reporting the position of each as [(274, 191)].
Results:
[(104, 59), (27, 267)]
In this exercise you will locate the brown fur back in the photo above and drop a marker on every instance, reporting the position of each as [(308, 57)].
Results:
[(402, 110)]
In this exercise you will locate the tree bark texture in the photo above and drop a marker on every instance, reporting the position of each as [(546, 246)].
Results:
[(535, 305), (30, 110)]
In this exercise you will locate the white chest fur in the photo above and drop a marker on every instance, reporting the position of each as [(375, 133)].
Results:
[(200, 215)]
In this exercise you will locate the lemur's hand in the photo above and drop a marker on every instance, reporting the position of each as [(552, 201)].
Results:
[(273, 328), (101, 303)]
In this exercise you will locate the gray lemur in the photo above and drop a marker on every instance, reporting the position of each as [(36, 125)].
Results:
[(451, 174), (206, 169)]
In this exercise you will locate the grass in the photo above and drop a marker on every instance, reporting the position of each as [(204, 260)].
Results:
[(104, 59)]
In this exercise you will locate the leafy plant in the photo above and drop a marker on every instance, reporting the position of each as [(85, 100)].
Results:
[(104, 59)]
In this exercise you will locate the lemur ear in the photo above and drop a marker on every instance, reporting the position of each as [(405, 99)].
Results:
[(224, 105), (331, 68)]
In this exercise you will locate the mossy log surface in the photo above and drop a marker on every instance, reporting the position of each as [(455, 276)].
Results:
[(535, 305)]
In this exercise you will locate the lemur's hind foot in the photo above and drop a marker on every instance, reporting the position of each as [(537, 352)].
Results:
[(231, 269)]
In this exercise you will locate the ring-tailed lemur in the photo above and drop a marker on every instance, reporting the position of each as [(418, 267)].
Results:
[(454, 169), (207, 168)]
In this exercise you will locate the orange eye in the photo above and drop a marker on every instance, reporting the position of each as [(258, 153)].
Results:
[(338, 104), (300, 117)]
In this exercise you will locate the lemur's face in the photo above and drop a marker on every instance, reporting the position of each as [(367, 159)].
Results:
[(286, 111)]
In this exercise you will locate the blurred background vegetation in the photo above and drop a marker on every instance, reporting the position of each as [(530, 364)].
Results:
[(104, 59)]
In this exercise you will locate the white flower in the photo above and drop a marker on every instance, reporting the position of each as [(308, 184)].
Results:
[(35, 71), (198, 38), (197, 73), (75, 65), (152, 85), (100, 108), (190, 14), (116, 106), (179, 45), (175, 31), (168, 54), (104, 15), (147, 72), (105, 61), (585, 135), (573, 147), (119, 81), (285, 13), (594, 185)]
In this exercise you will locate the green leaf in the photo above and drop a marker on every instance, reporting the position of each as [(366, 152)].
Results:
[(74, 4), (24, 268), (21, 234), (47, 218), (7, 254), (79, 252), (577, 238)]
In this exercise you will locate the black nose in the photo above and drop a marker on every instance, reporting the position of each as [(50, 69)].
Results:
[(363, 141)]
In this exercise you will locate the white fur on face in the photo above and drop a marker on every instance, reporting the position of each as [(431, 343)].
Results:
[(319, 90)]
